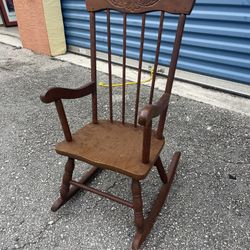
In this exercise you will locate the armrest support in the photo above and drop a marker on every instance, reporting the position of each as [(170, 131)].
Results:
[(145, 119), (153, 110), (55, 94)]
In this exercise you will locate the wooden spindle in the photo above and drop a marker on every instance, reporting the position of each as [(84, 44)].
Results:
[(63, 120), (124, 66), (140, 68), (175, 53), (93, 64), (161, 170), (172, 70), (157, 53), (109, 66)]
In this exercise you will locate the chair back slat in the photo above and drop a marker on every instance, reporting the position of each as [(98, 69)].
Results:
[(139, 69), (157, 53), (124, 66), (93, 46), (109, 66), (93, 64)]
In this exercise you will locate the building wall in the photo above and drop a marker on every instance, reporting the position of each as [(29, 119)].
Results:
[(216, 40), (40, 26)]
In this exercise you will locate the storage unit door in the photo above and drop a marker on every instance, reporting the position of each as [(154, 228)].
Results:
[(216, 40)]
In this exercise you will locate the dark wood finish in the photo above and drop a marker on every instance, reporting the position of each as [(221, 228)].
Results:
[(63, 120), (175, 54), (93, 65), (142, 6), (124, 66), (158, 204), (147, 134), (55, 94), (129, 149), (114, 146), (109, 66), (157, 53), (139, 69), (161, 170), (151, 111), (137, 205), (73, 190), (67, 177), (103, 194), (171, 72)]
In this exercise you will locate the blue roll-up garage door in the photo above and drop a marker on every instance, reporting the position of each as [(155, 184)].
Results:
[(216, 40)]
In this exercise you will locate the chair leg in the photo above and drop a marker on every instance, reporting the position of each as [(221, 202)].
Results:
[(161, 170), (67, 177), (148, 223), (67, 192), (138, 212)]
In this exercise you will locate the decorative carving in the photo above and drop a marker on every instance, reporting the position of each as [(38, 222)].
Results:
[(132, 5)]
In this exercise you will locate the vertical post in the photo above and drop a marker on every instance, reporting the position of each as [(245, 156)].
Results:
[(157, 53), (172, 70), (109, 66), (146, 143), (93, 64), (63, 120), (175, 54), (139, 69), (124, 65)]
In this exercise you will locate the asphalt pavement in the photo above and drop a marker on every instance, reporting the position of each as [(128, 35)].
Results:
[(209, 203)]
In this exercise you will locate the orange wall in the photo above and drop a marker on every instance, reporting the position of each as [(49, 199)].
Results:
[(32, 26)]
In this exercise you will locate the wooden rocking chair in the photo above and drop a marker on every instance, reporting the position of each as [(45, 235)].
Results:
[(129, 149)]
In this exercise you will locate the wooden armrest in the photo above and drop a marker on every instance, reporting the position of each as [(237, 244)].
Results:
[(153, 110), (55, 94)]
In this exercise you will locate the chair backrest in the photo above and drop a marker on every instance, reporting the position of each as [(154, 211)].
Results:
[(178, 7)]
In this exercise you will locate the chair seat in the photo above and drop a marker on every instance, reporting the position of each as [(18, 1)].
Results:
[(113, 146)]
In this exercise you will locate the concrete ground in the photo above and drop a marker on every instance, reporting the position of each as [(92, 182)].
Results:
[(209, 203)]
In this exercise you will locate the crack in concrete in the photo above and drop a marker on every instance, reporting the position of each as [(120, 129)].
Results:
[(108, 189), (39, 235), (5, 68)]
